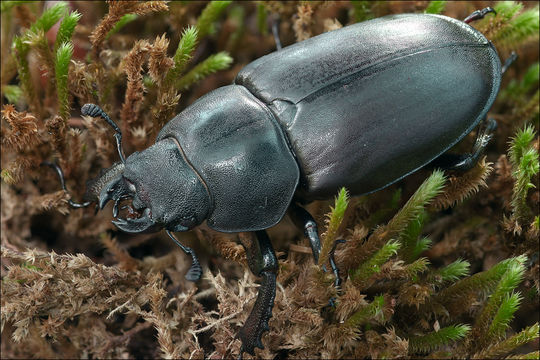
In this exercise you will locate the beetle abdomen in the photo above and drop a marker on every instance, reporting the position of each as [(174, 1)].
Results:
[(366, 105)]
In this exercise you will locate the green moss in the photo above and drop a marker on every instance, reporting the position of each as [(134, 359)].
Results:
[(67, 26), (362, 10), (21, 50), (498, 349), (411, 211), (334, 221), (63, 58), (515, 26), (210, 65), (454, 271), (183, 52), (261, 19), (373, 265), (436, 339), (124, 20), (50, 17), (210, 14), (397, 298), (366, 313), (524, 159), (12, 92), (435, 7)]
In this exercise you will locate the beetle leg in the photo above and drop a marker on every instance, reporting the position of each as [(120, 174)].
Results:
[(478, 14), (468, 161), (60, 174), (195, 271), (482, 140), (335, 270), (509, 61), (275, 30), (262, 262), (303, 219)]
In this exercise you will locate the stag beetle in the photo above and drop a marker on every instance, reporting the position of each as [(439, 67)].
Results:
[(360, 107)]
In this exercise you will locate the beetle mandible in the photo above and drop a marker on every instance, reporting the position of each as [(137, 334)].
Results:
[(360, 107)]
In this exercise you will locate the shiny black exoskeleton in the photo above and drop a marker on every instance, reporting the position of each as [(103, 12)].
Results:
[(360, 107)]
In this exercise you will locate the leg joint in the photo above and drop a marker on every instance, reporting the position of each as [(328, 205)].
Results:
[(260, 254)]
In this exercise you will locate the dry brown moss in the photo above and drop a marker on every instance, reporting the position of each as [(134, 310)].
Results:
[(72, 286)]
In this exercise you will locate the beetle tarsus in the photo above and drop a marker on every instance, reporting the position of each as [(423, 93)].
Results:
[(195, 271), (335, 270), (478, 14), (262, 262)]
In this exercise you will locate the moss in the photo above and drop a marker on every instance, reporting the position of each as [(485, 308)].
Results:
[(437, 265)]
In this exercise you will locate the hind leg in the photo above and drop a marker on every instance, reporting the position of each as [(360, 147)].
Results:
[(478, 14), (464, 162)]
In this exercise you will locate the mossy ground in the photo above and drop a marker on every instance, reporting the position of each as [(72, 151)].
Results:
[(443, 267)]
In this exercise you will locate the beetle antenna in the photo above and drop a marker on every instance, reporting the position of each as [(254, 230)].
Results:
[(60, 174), (95, 111)]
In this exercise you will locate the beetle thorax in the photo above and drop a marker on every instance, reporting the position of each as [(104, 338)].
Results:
[(166, 190)]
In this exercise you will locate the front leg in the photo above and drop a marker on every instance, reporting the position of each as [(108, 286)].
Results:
[(262, 262), (195, 271)]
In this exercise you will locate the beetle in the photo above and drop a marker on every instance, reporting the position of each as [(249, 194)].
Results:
[(360, 107)]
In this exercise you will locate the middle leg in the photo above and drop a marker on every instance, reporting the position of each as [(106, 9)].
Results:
[(303, 219), (262, 262)]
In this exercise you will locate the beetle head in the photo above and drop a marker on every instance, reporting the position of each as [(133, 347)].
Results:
[(165, 191)]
